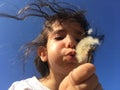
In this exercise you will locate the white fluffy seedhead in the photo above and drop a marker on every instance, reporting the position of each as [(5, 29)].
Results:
[(86, 46)]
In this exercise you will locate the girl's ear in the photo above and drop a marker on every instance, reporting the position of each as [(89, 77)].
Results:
[(42, 53)]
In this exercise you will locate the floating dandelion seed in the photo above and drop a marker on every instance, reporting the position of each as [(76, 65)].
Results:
[(90, 31)]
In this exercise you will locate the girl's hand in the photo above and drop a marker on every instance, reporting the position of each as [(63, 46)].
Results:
[(81, 78)]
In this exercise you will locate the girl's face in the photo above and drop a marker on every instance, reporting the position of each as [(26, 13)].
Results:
[(61, 46)]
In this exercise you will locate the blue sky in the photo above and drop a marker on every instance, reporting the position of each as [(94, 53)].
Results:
[(103, 16)]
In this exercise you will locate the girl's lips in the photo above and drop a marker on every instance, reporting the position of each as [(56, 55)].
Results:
[(71, 56), (71, 53)]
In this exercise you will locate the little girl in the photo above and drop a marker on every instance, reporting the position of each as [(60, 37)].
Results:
[(64, 27)]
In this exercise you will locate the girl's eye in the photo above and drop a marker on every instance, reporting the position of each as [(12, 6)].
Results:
[(59, 38), (77, 40)]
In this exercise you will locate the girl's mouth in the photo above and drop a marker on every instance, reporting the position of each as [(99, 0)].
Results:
[(71, 56)]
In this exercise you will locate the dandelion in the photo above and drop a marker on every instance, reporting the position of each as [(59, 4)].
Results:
[(85, 48)]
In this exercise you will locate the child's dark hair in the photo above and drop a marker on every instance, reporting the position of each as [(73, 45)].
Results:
[(50, 11)]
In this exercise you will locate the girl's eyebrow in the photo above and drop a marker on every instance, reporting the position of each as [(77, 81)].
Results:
[(80, 30), (58, 31)]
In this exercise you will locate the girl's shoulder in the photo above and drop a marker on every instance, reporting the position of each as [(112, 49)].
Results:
[(28, 84)]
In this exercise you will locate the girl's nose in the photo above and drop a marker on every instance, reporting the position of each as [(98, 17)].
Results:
[(70, 42)]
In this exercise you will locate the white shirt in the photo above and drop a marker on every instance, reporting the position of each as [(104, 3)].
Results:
[(28, 84)]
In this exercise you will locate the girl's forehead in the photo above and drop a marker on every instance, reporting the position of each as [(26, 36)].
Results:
[(68, 26)]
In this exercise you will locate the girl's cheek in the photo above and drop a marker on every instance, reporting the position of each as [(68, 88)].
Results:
[(52, 46), (55, 45)]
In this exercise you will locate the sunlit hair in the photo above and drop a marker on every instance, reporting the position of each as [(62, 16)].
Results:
[(50, 11)]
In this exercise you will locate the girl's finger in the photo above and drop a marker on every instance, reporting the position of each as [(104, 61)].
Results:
[(82, 73)]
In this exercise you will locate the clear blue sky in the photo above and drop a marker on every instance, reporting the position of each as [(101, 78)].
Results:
[(103, 15)]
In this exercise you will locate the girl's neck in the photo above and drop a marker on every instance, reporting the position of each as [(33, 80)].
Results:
[(52, 81)]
